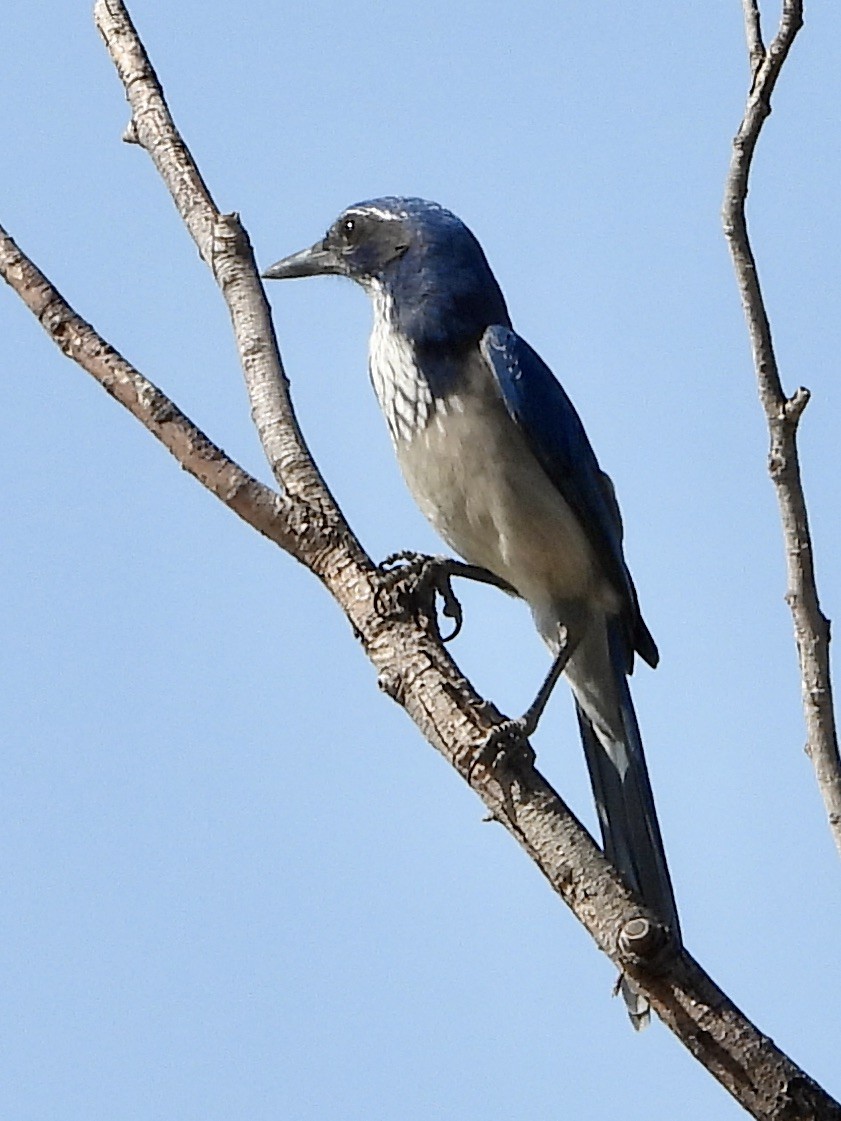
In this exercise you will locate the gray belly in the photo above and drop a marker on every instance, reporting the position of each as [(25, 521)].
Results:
[(478, 483)]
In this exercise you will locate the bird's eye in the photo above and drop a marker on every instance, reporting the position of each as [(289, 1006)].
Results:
[(351, 230)]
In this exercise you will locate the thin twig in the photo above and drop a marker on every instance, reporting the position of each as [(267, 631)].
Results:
[(811, 627), (753, 31)]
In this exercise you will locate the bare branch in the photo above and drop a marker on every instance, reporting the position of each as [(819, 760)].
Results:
[(258, 505), (223, 245), (753, 31), (811, 627), (394, 621)]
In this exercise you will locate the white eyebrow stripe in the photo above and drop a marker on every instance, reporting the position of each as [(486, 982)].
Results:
[(376, 212)]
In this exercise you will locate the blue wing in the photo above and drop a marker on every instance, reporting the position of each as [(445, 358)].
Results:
[(553, 430)]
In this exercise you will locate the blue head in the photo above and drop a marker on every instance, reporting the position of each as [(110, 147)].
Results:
[(420, 258)]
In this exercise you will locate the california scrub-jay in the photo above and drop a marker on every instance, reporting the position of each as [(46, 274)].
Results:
[(496, 457)]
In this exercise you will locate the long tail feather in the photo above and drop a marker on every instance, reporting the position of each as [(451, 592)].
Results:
[(625, 804)]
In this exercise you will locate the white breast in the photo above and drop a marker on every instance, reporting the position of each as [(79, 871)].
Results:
[(404, 396)]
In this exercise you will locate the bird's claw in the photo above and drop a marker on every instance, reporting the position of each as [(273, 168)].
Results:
[(407, 559), (410, 572), (506, 745)]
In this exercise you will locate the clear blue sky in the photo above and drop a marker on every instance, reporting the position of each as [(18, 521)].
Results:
[(235, 881)]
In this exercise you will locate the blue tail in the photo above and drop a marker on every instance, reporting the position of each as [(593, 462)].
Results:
[(624, 799)]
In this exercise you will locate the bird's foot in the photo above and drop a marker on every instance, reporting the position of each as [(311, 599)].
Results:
[(409, 561), (507, 745), (409, 579)]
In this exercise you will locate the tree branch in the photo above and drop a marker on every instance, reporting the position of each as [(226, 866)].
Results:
[(395, 620), (269, 513), (753, 32), (811, 627), (224, 247)]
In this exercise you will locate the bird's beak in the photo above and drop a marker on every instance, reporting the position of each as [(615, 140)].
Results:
[(318, 260)]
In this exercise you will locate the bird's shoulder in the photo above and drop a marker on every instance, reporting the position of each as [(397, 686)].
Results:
[(538, 403)]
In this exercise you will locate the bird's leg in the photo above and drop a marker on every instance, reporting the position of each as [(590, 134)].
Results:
[(514, 733), (531, 717), (411, 563)]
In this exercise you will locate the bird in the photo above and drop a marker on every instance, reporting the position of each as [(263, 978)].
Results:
[(497, 458)]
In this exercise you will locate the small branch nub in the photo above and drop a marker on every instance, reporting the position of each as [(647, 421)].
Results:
[(642, 941)]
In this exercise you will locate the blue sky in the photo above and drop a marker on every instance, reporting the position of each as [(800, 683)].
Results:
[(236, 882)]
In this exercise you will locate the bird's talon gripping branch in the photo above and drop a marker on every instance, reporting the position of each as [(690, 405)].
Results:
[(507, 745), (405, 560), (407, 574), (436, 573)]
